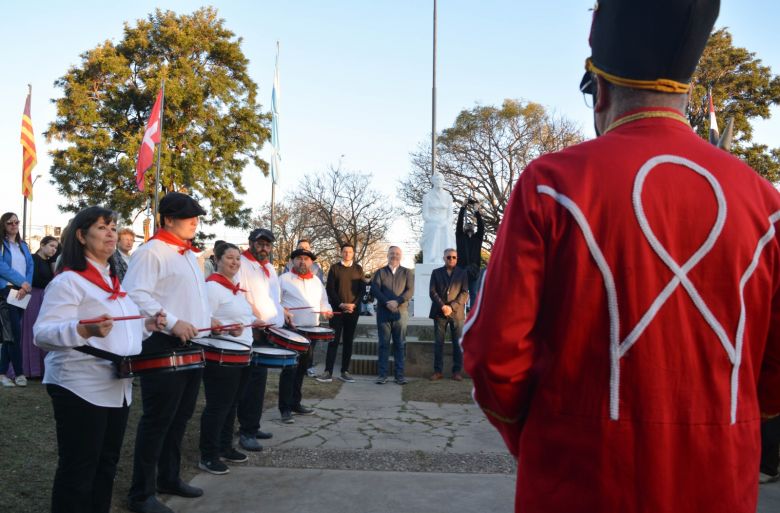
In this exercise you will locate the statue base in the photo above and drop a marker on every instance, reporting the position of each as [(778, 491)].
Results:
[(422, 283)]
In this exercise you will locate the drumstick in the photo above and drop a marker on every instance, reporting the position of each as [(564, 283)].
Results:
[(332, 313), (228, 327), (101, 319), (301, 308)]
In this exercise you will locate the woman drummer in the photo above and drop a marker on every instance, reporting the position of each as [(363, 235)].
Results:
[(223, 384), (90, 403)]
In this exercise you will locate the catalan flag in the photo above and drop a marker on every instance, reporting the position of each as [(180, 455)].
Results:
[(29, 155)]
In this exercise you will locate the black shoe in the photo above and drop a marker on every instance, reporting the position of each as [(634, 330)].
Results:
[(346, 377), (150, 505), (262, 435), (234, 456), (287, 417), (401, 381), (381, 380), (215, 467), (181, 489), (302, 410), (249, 443)]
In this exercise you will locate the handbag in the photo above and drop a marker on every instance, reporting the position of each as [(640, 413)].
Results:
[(6, 333)]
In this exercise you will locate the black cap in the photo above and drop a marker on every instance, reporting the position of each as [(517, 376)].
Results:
[(179, 206), (261, 233), (648, 45), (303, 252)]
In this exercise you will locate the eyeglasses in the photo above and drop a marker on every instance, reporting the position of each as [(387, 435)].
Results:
[(451, 257), (12, 222)]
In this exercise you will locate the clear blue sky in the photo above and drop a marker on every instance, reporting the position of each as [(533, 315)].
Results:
[(355, 75)]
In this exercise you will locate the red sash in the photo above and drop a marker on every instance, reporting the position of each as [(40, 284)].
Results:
[(252, 258), (222, 280), (306, 276), (92, 275), (169, 238)]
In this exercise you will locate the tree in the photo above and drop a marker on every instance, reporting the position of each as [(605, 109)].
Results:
[(291, 224), (212, 128), (483, 154), (742, 89)]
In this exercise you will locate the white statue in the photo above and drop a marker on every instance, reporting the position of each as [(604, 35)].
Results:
[(438, 233)]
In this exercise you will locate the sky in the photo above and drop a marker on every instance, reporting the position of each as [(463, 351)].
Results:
[(355, 76)]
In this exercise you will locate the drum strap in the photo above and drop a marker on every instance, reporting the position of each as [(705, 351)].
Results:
[(100, 353)]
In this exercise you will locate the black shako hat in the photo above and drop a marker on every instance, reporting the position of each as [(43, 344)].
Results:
[(261, 233), (179, 206), (653, 45), (303, 252)]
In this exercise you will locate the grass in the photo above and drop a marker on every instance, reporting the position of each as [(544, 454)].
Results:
[(442, 391), (28, 452)]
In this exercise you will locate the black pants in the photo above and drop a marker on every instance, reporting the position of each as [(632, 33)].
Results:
[(344, 325), (168, 404), (222, 386), (252, 397), (770, 446), (291, 381), (89, 440)]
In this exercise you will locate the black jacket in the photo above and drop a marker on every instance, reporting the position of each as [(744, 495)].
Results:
[(449, 289), (469, 248)]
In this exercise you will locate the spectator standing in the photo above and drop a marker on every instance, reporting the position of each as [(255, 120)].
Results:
[(449, 290)]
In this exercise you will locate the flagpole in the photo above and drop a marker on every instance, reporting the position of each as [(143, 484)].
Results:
[(275, 139), (24, 207), (433, 98), (159, 153)]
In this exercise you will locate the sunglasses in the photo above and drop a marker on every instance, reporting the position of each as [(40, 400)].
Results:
[(451, 258), (12, 222)]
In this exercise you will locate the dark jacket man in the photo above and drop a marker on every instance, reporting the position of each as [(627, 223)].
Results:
[(386, 286), (449, 289)]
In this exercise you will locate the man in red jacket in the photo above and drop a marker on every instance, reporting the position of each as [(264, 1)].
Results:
[(626, 342)]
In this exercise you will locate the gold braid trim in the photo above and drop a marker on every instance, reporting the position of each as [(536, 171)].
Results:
[(505, 420), (663, 85), (645, 115)]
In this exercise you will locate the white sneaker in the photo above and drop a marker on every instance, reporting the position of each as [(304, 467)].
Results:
[(312, 372), (21, 381), (6, 381)]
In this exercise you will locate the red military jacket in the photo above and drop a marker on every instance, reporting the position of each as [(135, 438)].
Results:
[(627, 335)]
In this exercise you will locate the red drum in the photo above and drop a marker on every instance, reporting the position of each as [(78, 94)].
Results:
[(225, 353), (274, 357), (171, 361), (287, 339), (317, 333)]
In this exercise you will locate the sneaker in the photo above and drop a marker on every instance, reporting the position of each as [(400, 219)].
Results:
[(234, 456), (287, 417), (346, 377), (767, 478), (21, 381), (456, 376), (325, 377), (213, 467), (436, 376), (6, 381), (302, 410), (249, 443), (401, 381), (311, 372), (381, 380), (263, 435)]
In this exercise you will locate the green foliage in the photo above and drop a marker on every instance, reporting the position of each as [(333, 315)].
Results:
[(743, 89), (212, 127)]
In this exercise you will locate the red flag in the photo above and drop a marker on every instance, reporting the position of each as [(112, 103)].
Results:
[(29, 155), (152, 136)]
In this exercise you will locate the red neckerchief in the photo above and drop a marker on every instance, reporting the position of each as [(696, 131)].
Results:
[(169, 238), (92, 275), (252, 258), (225, 282), (306, 276)]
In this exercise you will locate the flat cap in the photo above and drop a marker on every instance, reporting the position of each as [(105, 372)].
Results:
[(261, 233), (303, 252), (180, 206)]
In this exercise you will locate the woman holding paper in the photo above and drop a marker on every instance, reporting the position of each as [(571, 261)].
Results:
[(16, 272), (90, 403)]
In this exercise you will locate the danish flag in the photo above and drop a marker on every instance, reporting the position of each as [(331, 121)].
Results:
[(152, 136)]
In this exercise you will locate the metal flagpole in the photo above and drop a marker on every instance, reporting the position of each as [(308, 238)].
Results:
[(433, 99), (274, 137), (159, 154)]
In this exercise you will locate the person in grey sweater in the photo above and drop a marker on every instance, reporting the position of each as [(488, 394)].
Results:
[(393, 287)]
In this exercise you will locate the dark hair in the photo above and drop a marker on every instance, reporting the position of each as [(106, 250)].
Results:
[(218, 242), (222, 247), (47, 240), (303, 240), (72, 250), (347, 245), (3, 218)]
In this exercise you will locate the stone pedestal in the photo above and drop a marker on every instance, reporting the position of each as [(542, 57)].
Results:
[(422, 282)]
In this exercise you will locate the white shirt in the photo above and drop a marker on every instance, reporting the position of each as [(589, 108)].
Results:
[(18, 263), (298, 292), (393, 269), (229, 308), (159, 278), (69, 298), (262, 292), (125, 256)]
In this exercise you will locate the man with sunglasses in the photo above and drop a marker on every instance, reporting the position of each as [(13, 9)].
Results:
[(626, 340), (449, 290)]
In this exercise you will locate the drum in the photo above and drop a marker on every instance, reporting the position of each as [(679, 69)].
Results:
[(287, 339), (175, 360), (274, 357), (317, 333), (223, 352)]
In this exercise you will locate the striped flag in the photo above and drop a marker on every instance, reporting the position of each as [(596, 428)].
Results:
[(714, 134), (275, 155), (152, 136), (29, 155)]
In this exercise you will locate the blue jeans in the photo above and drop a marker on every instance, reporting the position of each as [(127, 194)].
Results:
[(439, 331), (396, 330)]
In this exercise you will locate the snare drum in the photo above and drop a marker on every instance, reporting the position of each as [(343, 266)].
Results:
[(225, 353), (274, 357), (171, 361), (287, 339), (317, 333)]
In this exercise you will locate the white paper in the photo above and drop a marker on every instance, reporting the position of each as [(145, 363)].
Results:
[(20, 303)]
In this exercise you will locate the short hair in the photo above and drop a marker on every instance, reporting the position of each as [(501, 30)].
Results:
[(72, 250), (221, 247), (347, 245), (47, 240), (303, 240), (450, 250), (125, 231), (393, 247)]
